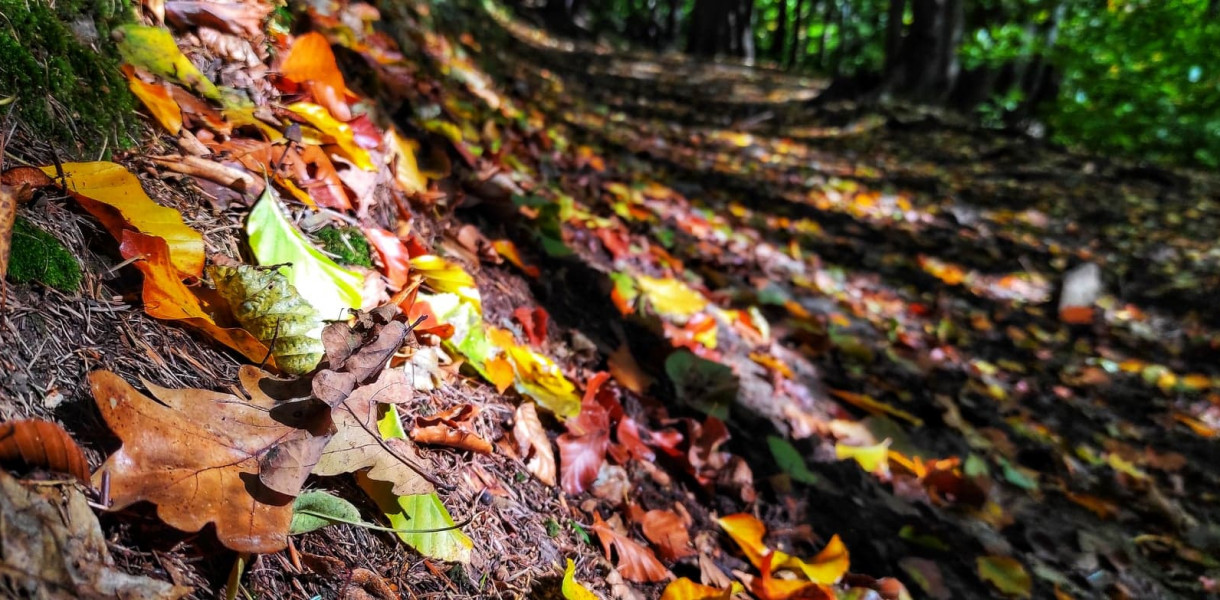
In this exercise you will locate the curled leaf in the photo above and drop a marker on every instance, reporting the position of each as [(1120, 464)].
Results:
[(533, 443), (43, 444), (154, 50), (269, 307), (572, 589)]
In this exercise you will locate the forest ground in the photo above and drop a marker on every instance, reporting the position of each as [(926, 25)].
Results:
[(877, 278)]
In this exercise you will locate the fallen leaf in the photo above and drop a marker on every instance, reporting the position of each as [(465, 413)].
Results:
[(671, 297), (42, 444), (446, 276), (665, 529), (54, 548), (627, 372), (154, 50), (706, 385), (157, 99), (406, 167), (874, 459), (451, 428), (534, 323), (311, 63), (331, 289), (206, 457), (767, 587), (114, 196), (316, 509), (540, 378), (635, 562), (336, 132), (926, 573), (500, 373), (395, 260), (533, 444), (685, 589), (8, 216), (269, 307), (572, 589), (508, 250), (875, 407), (237, 18), (747, 531), (582, 450), (165, 296), (1006, 574), (790, 461)]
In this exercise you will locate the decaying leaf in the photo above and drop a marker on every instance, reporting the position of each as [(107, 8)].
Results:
[(582, 450), (8, 216), (42, 444), (331, 289), (210, 457), (534, 323), (533, 444), (54, 549), (451, 428), (269, 307), (635, 562)]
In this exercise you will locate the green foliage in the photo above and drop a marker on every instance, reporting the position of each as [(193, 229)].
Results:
[(66, 90), (38, 256), (347, 244)]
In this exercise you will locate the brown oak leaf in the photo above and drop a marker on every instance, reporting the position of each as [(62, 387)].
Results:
[(211, 457)]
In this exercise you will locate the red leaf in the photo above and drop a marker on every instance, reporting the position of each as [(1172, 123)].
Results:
[(393, 255), (534, 322), (583, 449), (635, 562), (38, 443)]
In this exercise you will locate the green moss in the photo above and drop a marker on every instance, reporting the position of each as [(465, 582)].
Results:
[(38, 256), (347, 244), (67, 91)]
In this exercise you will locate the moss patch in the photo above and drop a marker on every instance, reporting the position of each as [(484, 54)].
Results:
[(66, 90), (38, 256), (347, 244)]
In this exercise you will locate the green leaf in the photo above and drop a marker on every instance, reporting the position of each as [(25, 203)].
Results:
[(331, 289), (315, 504), (410, 514), (1006, 574), (269, 307), (788, 458), (154, 50), (705, 385)]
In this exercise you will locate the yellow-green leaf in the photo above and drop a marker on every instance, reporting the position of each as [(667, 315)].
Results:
[(874, 459), (275, 241), (153, 49), (341, 133), (671, 297), (1006, 574), (572, 589), (268, 306)]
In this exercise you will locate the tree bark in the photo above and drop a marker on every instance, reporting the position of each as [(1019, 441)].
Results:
[(797, 34), (776, 49), (893, 34)]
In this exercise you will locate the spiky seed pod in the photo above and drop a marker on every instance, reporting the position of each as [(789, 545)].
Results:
[(269, 307)]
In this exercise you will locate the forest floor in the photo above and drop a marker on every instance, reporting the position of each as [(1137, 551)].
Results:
[(841, 320)]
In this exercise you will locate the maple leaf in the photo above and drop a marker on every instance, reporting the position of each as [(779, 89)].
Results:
[(635, 562), (210, 457)]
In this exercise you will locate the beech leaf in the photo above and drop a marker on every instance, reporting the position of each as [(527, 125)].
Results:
[(582, 450), (210, 457), (685, 589), (533, 444), (269, 307), (331, 289), (572, 589), (157, 99), (664, 528), (635, 562), (317, 503), (154, 50)]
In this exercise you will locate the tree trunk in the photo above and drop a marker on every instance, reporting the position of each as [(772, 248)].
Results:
[(797, 34), (893, 34), (776, 49), (828, 7)]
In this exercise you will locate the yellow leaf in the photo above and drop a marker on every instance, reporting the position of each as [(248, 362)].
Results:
[(499, 373), (1006, 574), (671, 297), (875, 407), (826, 568), (874, 459), (153, 49), (114, 186), (540, 378), (572, 589), (156, 98), (406, 171), (340, 132), (447, 276), (748, 532), (685, 589)]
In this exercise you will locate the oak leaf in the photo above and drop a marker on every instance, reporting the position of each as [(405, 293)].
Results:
[(211, 457), (635, 562)]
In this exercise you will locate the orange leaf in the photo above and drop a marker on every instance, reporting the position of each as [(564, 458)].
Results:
[(748, 532), (165, 297), (627, 371), (1076, 315), (770, 588), (154, 96), (508, 250), (311, 63), (635, 562), (450, 428), (499, 373), (685, 589), (38, 443), (664, 528)]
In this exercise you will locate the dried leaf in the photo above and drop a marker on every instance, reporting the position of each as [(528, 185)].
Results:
[(826, 568), (41, 444), (665, 529), (671, 297), (52, 541), (451, 428), (635, 562), (500, 373), (627, 372), (209, 457), (406, 168), (572, 589), (165, 296), (8, 216), (508, 249), (269, 307), (447, 276), (154, 50), (540, 378), (275, 241), (534, 322), (874, 459), (533, 443), (237, 18), (157, 99), (875, 407)]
